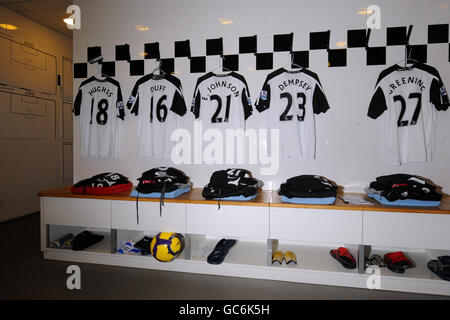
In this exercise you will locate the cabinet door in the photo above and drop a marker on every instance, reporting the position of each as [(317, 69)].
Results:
[(89, 213), (316, 225), (172, 218), (229, 221), (411, 230)]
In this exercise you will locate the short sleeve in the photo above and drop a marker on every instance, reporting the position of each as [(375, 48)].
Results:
[(195, 106), (133, 100), (438, 95), (77, 104), (246, 102), (119, 104), (178, 103), (263, 101), (377, 104), (320, 102)]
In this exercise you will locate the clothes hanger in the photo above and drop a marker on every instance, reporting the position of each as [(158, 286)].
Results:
[(162, 73), (293, 66), (100, 75), (221, 67), (407, 60)]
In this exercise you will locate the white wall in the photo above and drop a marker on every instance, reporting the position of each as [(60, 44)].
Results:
[(31, 147), (349, 144)]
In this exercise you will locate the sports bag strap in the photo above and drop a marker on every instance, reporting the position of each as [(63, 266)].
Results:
[(218, 201), (161, 199), (137, 208)]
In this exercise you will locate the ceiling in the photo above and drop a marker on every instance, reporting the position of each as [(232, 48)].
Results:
[(47, 12)]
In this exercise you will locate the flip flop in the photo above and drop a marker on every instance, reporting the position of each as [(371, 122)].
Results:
[(343, 256), (220, 251), (290, 257), (277, 256)]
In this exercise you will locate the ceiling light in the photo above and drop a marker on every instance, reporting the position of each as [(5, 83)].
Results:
[(227, 21), (7, 26), (342, 44), (142, 28), (364, 12)]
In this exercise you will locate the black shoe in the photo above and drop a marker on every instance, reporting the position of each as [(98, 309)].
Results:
[(440, 269), (84, 240), (144, 245), (220, 251)]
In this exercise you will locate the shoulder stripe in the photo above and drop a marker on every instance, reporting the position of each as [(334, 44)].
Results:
[(274, 74), (311, 74), (427, 68), (85, 82), (113, 81), (203, 78), (387, 72), (240, 78), (174, 80)]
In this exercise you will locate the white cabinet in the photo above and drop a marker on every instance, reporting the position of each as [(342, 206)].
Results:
[(172, 218), (316, 225), (409, 230), (229, 221), (93, 213)]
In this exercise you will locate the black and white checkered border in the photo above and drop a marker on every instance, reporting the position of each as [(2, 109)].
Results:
[(356, 38)]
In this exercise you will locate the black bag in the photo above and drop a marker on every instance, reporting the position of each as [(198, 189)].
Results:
[(404, 186), (161, 180), (308, 186), (229, 183)]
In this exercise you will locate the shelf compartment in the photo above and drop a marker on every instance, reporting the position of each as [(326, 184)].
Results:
[(104, 246), (244, 252), (314, 257)]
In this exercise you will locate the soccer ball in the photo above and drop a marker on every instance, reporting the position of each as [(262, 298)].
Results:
[(167, 246)]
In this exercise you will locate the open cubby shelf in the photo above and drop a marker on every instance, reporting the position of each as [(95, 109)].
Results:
[(260, 226)]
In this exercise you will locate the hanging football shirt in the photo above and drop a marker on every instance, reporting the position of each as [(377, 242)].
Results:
[(292, 98), (409, 98), (158, 102), (100, 104)]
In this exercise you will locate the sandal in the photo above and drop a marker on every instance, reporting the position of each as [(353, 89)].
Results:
[(343, 256), (277, 256), (289, 257)]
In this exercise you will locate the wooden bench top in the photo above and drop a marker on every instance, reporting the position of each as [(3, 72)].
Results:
[(265, 198)]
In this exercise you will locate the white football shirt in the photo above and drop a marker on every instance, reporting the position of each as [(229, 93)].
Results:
[(100, 104), (158, 102), (222, 101), (411, 96), (292, 99)]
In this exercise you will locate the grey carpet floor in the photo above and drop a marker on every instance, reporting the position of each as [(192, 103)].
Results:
[(25, 275)]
